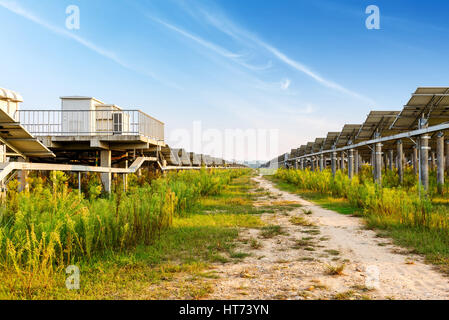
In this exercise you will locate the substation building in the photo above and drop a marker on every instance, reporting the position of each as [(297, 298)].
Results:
[(87, 135)]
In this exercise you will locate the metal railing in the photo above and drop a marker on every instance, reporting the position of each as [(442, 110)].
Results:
[(90, 123)]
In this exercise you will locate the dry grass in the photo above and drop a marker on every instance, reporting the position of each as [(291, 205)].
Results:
[(300, 221), (347, 295), (307, 211), (335, 270), (272, 231), (255, 244)]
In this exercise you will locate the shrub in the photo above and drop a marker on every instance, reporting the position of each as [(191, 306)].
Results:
[(50, 226)]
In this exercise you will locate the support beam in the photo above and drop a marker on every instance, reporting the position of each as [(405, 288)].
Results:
[(334, 163), (447, 155), (424, 161), (390, 159), (356, 162), (440, 161), (2, 153), (321, 162), (434, 163), (105, 161), (400, 160), (97, 143), (23, 177), (351, 163), (415, 160), (378, 164), (342, 161)]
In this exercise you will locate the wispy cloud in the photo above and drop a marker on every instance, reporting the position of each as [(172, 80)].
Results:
[(17, 9), (236, 57), (225, 25), (204, 43)]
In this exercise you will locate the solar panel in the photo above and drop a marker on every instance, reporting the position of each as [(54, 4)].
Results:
[(318, 144), (309, 147), (195, 159), (302, 150), (432, 103), (377, 121), (330, 140), (347, 134), (293, 153), (183, 156), (19, 140)]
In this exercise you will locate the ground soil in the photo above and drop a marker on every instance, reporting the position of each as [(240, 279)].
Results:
[(298, 264)]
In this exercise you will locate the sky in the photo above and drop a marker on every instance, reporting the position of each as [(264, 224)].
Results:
[(284, 71)]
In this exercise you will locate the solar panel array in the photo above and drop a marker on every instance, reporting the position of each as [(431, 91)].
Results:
[(429, 103)]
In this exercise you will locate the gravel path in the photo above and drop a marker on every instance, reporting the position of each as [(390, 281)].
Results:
[(298, 263)]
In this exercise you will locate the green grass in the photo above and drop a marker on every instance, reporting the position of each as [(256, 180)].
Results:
[(271, 231), (176, 265), (432, 244), (419, 240), (339, 205)]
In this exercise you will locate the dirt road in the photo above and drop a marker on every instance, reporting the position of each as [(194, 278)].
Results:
[(316, 253)]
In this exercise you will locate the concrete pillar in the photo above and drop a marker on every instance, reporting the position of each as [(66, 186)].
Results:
[(440, 161), (23, 176), (424, 160), (105, 161), (321, 162), (334, 163), (400, 160), (390, 159), (125, 176), (301, 164), (378, 164), (2, 153), (447, 155), (351, 164), (434, 163), (342, 161), (415, 160), (356, 162), (2, 160), (373, 162)]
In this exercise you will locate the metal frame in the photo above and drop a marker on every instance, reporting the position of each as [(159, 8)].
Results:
[(409, 134), (76, 123)]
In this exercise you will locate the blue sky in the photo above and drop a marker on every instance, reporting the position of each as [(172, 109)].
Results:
[(303, 67)]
